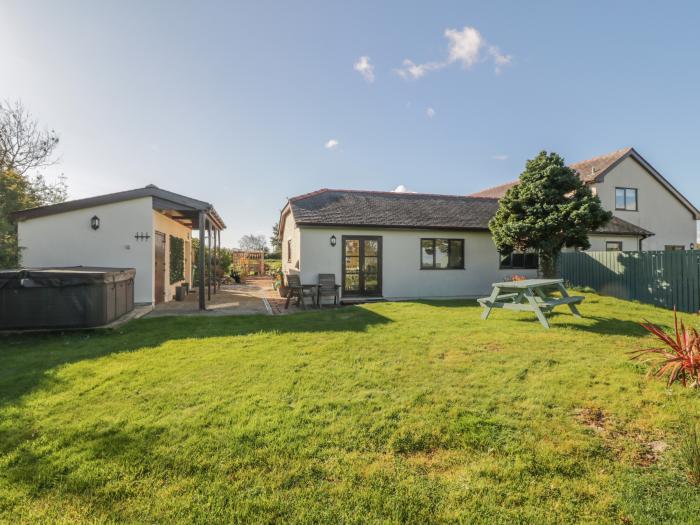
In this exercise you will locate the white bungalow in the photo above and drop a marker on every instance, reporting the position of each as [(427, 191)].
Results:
[(410, 245)]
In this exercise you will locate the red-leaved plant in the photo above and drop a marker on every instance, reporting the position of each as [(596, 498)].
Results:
[(679, 357)]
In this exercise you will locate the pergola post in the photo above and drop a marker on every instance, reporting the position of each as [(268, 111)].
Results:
[(209, 258), (202, 301), (218, 256), (216, 260)]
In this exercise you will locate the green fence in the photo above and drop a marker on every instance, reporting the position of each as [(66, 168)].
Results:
[(664, 279)]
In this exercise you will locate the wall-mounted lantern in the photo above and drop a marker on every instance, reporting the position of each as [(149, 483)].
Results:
[(333, 240), (95, 222)]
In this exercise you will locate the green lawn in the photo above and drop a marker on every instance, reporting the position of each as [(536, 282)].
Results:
[(393, 412)]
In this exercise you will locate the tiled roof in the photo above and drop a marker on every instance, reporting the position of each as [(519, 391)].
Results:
[(393, 210), (409, 210), (496, 192), (591, 169), (588, 171), (618, 226)]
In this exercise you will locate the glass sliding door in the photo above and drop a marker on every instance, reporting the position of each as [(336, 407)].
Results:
[(362, 266)]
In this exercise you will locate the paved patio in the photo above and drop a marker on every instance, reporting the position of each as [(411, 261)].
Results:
[(254, 297)]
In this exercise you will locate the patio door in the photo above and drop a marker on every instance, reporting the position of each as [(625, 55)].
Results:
[(159, 277), (362, 266)]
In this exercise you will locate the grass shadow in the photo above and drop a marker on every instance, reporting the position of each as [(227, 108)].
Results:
[(603, 325), (447, 303), (28, 359)]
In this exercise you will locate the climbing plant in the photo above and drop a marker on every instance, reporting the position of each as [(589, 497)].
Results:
[(177, 259)]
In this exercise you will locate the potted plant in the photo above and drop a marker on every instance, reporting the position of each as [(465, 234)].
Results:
[(278, 283)]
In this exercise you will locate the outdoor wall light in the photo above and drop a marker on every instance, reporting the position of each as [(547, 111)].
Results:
[(95, 222), (333, 240)]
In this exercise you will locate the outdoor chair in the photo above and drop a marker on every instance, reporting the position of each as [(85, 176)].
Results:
[(327, 287), (298, 290)]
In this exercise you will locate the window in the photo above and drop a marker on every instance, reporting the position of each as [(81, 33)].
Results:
[(442, 254), (674, 247), (520, 261), (289, 250), (626, 199), (613, 246)]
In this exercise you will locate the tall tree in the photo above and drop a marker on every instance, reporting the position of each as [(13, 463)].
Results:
[(252, 242), (24, 148), (548, 210), (275, 241)]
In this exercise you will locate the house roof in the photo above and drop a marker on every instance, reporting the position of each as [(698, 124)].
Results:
[(162, 199), (588, 170), (327, 207), (595, 169), (496, 192), (618, 226)]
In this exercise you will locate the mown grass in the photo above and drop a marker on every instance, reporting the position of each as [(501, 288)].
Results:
[(394, 412)]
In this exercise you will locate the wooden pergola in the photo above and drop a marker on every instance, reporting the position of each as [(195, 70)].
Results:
[(252, 260), (210, 225), (201, 216)]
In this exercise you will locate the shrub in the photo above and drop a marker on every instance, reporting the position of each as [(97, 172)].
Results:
[(679, 355), (177, 259)]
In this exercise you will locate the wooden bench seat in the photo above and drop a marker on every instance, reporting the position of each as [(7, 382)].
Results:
[(551, 303), (499, 298)]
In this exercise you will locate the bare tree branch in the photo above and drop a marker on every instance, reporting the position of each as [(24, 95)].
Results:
[(23, 145)]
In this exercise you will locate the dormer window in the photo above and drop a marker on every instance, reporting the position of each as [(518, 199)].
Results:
[(626, 199)]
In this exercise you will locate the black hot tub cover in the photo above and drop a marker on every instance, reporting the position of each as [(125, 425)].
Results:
[(62, 277)]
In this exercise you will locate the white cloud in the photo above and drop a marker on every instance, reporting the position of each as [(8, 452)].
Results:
[(331, 144), (413, 71), (364, 68), (402, 189), (500, 157), (466, 47), (499, 59), (430, 112)]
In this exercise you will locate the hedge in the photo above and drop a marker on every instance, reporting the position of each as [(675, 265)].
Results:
[(177, 259)]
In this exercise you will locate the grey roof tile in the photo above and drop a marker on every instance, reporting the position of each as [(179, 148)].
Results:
[(393, 210), (327, 207)]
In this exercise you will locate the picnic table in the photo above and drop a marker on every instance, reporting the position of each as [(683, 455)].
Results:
[(529, 295)]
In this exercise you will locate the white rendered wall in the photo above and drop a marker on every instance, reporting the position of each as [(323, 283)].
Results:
[(66, 239), (290, 232), (166, 225), (402, 277), (629, 243)]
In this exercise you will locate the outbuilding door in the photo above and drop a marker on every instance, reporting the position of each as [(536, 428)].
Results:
[(362, 266), (159, 281)]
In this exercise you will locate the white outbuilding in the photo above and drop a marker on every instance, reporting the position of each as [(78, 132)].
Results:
[(148, 229)]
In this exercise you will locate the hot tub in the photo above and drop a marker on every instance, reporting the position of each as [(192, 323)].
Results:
[(75, 297)]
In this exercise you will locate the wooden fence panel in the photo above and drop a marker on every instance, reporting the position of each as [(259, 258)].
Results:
[(664, 279)]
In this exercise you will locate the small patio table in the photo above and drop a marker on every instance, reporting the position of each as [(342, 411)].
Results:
[(529, 295), (300, 301)]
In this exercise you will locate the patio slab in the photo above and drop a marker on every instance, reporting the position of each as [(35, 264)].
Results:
[(254, 297)]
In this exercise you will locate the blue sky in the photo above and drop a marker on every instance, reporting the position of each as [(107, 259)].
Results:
[(235, 103)]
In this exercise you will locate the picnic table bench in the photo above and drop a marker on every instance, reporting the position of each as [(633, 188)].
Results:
[(529, 296)]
